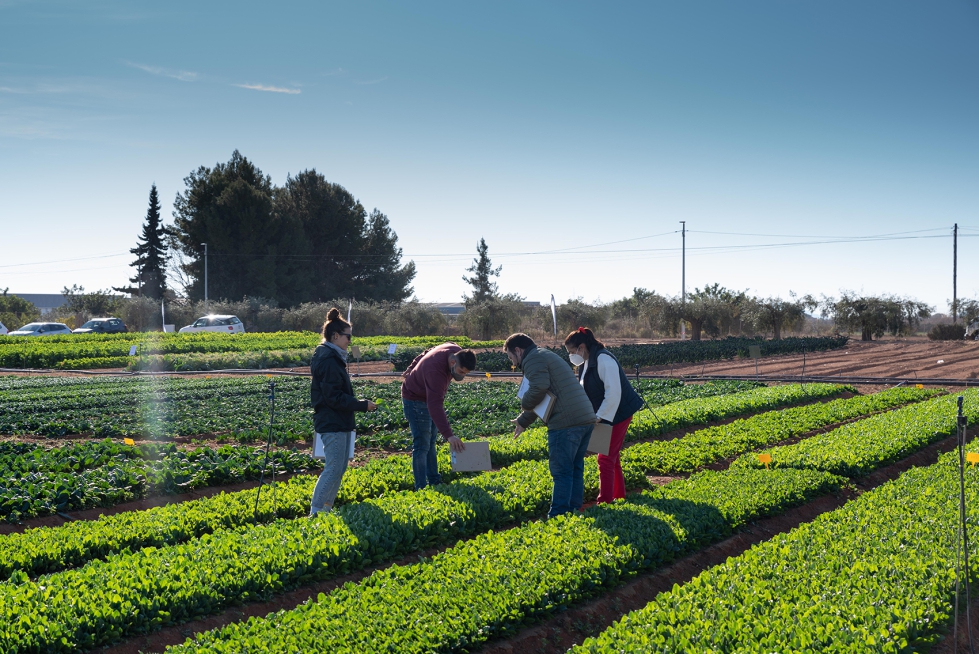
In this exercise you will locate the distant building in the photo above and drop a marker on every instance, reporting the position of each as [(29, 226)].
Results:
[(43, 301)]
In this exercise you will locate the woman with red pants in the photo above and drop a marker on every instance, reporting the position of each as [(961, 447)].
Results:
[(613, 399)]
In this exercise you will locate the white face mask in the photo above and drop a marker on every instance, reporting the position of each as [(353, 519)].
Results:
[(576, 359)]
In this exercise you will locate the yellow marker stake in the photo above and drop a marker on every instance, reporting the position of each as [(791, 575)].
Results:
[(973, 458), (128, 441), (488, 375), (766, 459)]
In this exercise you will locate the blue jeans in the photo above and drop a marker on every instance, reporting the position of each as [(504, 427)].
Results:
[(566, 458), (424, 433), (336, 447)]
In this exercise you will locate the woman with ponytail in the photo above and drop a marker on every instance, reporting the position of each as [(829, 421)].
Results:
[(613, 399), (334, 404)]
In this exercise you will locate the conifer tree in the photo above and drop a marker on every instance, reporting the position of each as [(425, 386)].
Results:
[(482, 269), (151, 255)]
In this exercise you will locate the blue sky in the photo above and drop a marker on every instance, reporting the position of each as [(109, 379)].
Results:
[(542, 127)]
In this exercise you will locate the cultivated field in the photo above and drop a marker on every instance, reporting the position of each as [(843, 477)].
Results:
[(840, 539)]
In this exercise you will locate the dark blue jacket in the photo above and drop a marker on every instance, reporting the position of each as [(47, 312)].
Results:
[(331, 393), (629, 403)]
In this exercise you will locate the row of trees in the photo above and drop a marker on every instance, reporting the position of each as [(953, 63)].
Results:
[(308, 240), (713, 311)]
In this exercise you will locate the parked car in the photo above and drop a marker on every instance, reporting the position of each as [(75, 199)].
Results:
[(42, 329), (102, 326), (226, 324), (3, 330)]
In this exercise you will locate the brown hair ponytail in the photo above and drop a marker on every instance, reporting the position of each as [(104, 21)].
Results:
[(586, 336), (334, 324)]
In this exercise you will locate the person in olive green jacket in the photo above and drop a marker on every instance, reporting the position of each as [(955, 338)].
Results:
[(569, 425)]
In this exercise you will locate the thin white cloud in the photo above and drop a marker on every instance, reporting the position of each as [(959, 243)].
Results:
[(371, 81), (334, 72), (182, 75), (269, 89)]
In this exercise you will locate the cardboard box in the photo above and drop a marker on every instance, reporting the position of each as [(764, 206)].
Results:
[(601, 439), (476, 456)]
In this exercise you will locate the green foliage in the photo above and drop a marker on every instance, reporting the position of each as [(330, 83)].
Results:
[(714, 444), (15, 312), (856, 449), (874, 576), (394, 472), (493, 584), (39, 481), (874, 316), (947, 332), (307, 239), (151, 255), (168, 351)]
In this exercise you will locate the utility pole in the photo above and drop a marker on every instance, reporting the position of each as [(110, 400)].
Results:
[(205, 276), (955, 273), (683, 279)]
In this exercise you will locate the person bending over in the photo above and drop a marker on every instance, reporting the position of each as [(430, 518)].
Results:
[(426, 381)]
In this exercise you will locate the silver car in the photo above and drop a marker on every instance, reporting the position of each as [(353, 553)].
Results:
[(42, 329), (212, 323)]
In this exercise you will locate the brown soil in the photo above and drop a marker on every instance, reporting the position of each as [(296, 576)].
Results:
[(912, 357)]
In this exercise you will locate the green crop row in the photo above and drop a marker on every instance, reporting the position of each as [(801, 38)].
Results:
[(714, 444), (393, 473), (42, 482), (874, 576), (92, 350), (237, 409), (262, 559), (136, 592), (506, 580), (47, 550), (51, 549), (491, 585), (856, 449)]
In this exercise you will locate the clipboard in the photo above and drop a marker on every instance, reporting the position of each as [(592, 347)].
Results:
[(546, 406), (475, 457), (318, 452), (601, 439)]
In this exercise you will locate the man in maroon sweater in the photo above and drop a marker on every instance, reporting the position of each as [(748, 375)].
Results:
[(423, 390)]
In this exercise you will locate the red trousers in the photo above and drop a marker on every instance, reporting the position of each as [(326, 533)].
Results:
[(611, 483)]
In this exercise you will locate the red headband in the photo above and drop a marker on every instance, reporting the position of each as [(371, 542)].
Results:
[(581, 330)]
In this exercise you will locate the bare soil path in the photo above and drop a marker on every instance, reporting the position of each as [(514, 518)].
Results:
[(912, 357)]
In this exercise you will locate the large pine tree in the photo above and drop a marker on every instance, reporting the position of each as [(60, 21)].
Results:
[(151, 255), (307, 241)]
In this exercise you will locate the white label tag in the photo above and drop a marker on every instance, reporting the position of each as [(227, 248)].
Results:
[(132, 351), (392, 348)]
